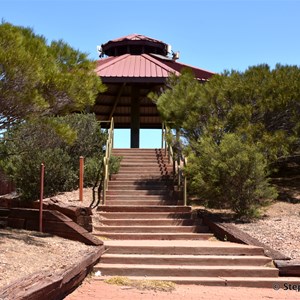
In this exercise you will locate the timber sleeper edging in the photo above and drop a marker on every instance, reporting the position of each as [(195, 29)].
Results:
[(220, 228), (46, 285)]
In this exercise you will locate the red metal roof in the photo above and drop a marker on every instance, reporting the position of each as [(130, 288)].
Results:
[(144, 67), (200, 74)]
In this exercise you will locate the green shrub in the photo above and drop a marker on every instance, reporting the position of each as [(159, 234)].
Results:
[(114, 164), (58, 142), (231, 174), (92, 167)]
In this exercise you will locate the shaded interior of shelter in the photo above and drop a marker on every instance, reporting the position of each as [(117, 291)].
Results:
[(124, 101), (131, 67)]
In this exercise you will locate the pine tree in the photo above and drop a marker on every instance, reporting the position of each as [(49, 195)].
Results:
[(256, 110), (37, 79)]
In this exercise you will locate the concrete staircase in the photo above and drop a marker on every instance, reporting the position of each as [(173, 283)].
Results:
[(147, 234)]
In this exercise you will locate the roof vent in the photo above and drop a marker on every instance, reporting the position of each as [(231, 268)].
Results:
[(169, 49), (100, 51), (175, 55)]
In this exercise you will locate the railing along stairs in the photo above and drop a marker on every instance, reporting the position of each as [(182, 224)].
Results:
[(175, 155), (103, 175)]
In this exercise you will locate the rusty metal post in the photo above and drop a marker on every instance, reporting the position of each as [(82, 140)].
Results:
[(42, 175), (162, 136), (81, 174)]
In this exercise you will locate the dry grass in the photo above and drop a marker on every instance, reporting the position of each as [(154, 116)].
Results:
[(154, 285)]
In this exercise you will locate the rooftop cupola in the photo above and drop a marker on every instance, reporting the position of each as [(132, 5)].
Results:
[(134, 44)]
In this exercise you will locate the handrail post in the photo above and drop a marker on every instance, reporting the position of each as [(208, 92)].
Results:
[(42, 175), (179, 162), (113, 133), (185, 183), (106, 159), (104, 180), (81, 174), (162, 136)]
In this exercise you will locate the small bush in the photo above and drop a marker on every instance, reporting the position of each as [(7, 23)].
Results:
[(92, 167), (114, 164), (231, 174)]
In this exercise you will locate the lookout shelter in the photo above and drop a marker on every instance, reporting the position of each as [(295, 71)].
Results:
[(131, 67)]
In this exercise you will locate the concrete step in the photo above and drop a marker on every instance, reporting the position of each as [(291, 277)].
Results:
[(153, 236), (192, 247), (141, 202), (137, 151), (139, 165), (116, 186), (151, 222), (136, 193), (149, 159), (142, 208), (131, 162), (138, 184), (255, 282), (137, 178), (173, 216), (151, 229), (141, 168), (194, 260), (141, 172), (186, 271), (155, 165), (138, 198), (145, 161), (140, 176), (149, 155)]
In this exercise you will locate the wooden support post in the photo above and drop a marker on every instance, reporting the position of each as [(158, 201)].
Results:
[(42, 175), (162, 135), (135, 118), (81, 174)]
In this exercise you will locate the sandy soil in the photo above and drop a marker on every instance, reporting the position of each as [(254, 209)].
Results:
[(25, 252), (93, 290)]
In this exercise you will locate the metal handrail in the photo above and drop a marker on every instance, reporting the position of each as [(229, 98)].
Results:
[(106, 159), (179, 162)]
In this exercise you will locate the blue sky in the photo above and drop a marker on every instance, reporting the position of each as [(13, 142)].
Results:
[(216, 35)]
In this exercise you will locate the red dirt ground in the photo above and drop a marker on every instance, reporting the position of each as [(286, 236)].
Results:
[(94, 290)]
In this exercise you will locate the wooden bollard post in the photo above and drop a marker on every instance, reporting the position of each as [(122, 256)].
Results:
[(81, 174), (42, 175)]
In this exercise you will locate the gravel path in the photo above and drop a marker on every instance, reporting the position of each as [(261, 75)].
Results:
[(279, 228)]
